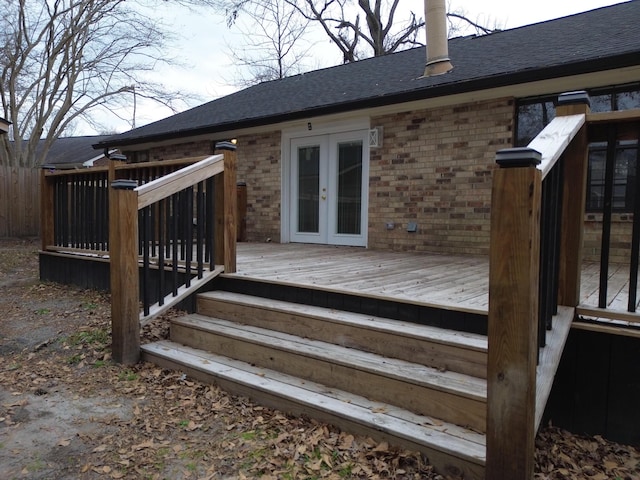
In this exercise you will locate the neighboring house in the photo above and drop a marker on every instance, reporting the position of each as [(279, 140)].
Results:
[(75, 152), (4, 125), (375, 154)]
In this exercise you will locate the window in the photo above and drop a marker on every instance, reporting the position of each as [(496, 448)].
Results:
[(533, 114), (140, 156)]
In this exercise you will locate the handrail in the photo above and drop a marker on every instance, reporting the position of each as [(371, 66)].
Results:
[(555, 138), (617, 116), (178, 162), (168, 185), (51, 171)]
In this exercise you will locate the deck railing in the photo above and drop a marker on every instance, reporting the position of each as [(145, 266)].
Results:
[(537, 227), (75, 203), (615, 128), (181, 225), (537, 212), (167, 228), (75, 209)]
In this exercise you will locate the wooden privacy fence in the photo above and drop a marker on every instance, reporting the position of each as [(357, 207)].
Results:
[(19, 201)]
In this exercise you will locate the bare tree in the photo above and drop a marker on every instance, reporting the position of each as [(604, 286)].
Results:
[(64, 59), (362, 28), (273, 44), (460, 23)]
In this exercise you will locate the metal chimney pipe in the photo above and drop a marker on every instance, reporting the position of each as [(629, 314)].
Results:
[(437, 43)]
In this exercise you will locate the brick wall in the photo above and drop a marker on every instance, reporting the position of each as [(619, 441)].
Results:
[(434, 169), (181, 150), (259, 166), (620, 246)]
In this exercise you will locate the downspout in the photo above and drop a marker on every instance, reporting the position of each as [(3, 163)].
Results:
[(437, 43)]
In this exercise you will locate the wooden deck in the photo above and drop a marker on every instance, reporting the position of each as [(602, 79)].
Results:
[(456, 282)]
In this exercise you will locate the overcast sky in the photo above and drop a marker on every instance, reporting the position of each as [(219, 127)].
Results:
[(514, 13), (207, 70)]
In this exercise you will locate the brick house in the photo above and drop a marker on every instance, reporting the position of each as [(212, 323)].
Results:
[(377, 154)]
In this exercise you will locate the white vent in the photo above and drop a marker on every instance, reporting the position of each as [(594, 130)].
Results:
[(375, 137)]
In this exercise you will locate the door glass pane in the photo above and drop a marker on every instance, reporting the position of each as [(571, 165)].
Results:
[(349, 187), (308, 188)]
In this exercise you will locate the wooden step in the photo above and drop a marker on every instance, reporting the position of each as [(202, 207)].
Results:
[(454, 451), (451, 396), (431, 346)]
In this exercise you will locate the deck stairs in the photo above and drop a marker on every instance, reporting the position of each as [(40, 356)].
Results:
[(415, 386)]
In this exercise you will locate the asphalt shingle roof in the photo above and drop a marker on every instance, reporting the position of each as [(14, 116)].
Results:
[(600, 39), (72, 150)]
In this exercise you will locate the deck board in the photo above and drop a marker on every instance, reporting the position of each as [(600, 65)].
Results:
[(416, 278), (450, 281)]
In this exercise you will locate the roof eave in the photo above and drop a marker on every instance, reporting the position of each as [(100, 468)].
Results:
[(512, 78)]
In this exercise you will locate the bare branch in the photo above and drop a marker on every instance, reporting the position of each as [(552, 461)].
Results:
[(63, 60), (480, 29)]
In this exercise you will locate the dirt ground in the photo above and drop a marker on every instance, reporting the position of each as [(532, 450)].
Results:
[(68, 412)]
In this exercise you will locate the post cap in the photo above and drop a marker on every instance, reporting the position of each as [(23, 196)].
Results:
[(225, 146), (518, 157), (124, 184), (573, 98), (117, 156)]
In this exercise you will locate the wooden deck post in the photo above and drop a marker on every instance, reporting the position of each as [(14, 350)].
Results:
[(513, 315), (226, 209), (47, 212), (123, 254), (574, 199)]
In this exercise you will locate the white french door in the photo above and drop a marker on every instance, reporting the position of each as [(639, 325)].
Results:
[(328, 189)]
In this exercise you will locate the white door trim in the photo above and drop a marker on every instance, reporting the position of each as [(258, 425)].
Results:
[(310, 129)]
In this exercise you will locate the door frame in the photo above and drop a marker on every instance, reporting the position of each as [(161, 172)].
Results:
[(316, 128)]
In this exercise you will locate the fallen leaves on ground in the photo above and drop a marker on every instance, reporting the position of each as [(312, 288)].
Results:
[(57, 338)]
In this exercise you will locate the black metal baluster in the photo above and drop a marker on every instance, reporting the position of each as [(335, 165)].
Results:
[(64, 210), (188, 233), (556, 212), (200, 226), (175, 201), (606, 215), (635, 237), (102, 213), (543, 281), (109, 213), (162, 205), (210, 223), (145, 213), (57, 212)]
